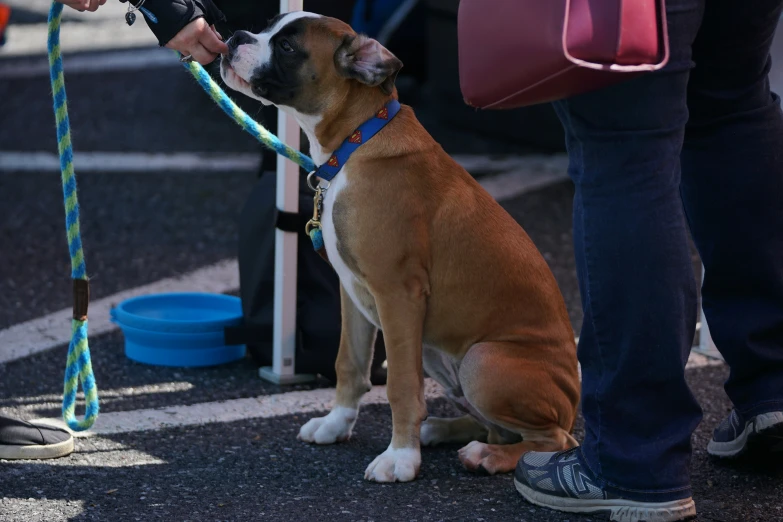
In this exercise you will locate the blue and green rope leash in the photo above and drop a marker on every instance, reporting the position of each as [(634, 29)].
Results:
[(78, 366), (259, 132), (246, 122)]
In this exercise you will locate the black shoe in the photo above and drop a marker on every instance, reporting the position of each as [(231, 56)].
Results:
[(22, 440), (759, 435)]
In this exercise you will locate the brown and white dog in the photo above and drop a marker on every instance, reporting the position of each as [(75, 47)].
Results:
[(423, 253)]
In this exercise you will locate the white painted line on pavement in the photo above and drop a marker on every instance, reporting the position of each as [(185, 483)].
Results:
[(526, 174), (263, 407), (105, 62), (32, 405), (27, 406), (30, 39), (479, 163), (98, 453), (38, 335), (139, 162), (42, 7), (99, 31), (114, 393), (521, 174), (18, 509), (117, 458)]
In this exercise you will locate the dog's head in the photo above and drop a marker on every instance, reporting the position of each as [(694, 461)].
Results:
[(306, 62)]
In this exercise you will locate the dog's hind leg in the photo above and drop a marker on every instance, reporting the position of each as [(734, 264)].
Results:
[(457, 430), (354, 358), (524, 395)]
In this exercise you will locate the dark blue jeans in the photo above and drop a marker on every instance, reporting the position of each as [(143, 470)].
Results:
[(699, 143)]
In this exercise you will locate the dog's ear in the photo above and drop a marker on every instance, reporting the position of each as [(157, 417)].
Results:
[(364, 59)]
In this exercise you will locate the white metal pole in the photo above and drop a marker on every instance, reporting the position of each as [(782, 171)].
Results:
[(284, 340)]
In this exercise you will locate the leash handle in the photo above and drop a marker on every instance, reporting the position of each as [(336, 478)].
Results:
[(78, 366), (246, 122)]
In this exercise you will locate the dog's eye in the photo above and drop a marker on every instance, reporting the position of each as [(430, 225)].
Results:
[(285, 45)]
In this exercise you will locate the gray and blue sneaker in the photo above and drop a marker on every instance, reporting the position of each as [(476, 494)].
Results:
[(560, 481), (760, 435)]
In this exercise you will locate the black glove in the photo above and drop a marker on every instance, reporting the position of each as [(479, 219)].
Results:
[(166, 18)]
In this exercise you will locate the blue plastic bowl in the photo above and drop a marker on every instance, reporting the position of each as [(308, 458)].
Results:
[(185, 312), (184, 330)]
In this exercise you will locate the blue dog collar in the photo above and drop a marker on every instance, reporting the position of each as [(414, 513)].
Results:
[(359, 137)]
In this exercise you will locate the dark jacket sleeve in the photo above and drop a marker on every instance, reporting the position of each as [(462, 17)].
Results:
[(167, 17)]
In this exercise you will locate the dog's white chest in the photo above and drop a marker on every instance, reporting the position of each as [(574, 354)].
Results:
[(357, 291)]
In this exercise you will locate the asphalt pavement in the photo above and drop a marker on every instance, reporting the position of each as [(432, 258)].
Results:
[(141, 227)]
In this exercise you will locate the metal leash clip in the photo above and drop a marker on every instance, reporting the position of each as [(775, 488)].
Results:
[(318, 205), (318, 201)]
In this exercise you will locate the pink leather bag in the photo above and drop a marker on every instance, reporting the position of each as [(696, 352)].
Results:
[(514, 53)]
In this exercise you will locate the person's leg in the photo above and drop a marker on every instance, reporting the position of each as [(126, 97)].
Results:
[(22, 440), (636, 279), (732, 188)]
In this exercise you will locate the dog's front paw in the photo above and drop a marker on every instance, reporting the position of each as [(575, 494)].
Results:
[(335, 427), (394, 465)]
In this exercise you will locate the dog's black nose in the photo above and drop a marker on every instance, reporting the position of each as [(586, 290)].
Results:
[(239, 38)]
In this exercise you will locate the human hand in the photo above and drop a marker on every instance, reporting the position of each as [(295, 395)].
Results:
[(199, 40), (83, 5)]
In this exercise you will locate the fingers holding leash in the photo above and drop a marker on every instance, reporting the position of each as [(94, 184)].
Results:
[(201, 55), (212, 40), (211, 43), (199, 41)]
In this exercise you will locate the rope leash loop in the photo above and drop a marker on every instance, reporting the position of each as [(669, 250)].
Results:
[(78, 366)]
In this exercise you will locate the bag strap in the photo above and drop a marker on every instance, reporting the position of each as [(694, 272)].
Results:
[(664, 37)]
